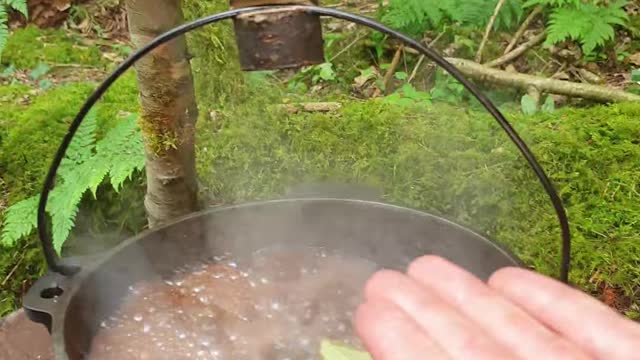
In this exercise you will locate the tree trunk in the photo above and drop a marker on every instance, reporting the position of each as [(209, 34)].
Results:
[(168, 113)]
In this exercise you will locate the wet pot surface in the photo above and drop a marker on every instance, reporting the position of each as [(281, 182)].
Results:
[(332, 238)]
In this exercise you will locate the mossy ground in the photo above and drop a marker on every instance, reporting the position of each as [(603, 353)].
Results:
[(28, 47), (32, 124), (463, 169), (447, 159)]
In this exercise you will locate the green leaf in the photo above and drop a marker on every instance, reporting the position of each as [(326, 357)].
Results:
[(82, 146), (122, 148), (635, 75), (39, 71), (8, 72), (4, 29), (590, 24), (20, 220), (332, 351), (45, 84), (549, 105), (326, 72), (63, 208), (401, 75), (19, 5), (529, 105)]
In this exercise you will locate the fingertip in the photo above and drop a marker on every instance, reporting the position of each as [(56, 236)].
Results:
[(506, 276), (429, 263), (380, 283)]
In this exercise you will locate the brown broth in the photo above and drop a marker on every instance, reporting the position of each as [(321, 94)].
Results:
[(278, 304)]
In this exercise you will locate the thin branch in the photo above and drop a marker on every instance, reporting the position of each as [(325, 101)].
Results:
[(517, 51), (482, 73), (392, 69), (421, 59), (346, 48), (487, 31), (13, 270), (525, 25)]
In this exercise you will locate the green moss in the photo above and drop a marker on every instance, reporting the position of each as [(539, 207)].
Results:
[(34, 132), (29, 136), (215, 64), (465, 170), (30, 46)]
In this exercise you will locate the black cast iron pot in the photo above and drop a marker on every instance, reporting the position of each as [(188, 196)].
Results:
[(388, 235), (78, 294)]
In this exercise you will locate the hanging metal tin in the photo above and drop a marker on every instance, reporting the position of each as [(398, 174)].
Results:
[(278, 38)]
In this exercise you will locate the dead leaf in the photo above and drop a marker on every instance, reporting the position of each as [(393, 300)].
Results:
[(62, 5), (634, 59)]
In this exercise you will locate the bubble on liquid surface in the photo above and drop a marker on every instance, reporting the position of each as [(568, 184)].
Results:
[(232, 309)]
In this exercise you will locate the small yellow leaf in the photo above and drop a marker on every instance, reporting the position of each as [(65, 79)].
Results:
[(333, 351)]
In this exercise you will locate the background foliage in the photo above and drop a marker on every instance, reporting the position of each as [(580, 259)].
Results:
[(422, 141)]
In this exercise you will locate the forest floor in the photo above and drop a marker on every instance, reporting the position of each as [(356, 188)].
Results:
[(431, 150)]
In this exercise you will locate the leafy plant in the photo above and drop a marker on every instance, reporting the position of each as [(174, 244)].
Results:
[(529, 105), (315, 73), (5, 7), (87, 163), (39, 71), (590, 23), (407, 95), (416, 16), (333, 351), (447, 89)]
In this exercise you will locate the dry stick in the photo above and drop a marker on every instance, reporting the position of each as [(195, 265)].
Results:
[(394, 64), (13, 270), (525, 25), (421, 59), (482, 73), (310, 107), (487, 31), (524, 82), (517, 51), (346, 48)]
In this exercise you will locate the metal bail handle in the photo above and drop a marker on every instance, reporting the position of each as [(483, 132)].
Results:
[(53, 261)]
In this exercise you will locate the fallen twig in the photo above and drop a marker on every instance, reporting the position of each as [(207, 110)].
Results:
[(487, 31), (523, 81), (346, 48), (392, 68), (517, 51), (421, 59), (13, 270), (311, 107), (525, 25)]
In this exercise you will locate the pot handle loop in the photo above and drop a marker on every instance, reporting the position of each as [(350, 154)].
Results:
[(53, 260)]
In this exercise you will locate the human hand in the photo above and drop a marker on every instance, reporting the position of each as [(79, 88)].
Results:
[(439, 311)]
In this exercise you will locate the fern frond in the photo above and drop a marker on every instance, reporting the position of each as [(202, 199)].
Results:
[(415, 16), (552, 3), (4, 29), (63, 208), (123, 149), (589, 24), (87, 163), (81, 148), (20, 220), (478, 13), (19, 5)]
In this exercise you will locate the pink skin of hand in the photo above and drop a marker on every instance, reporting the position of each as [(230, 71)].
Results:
[(439, 311)]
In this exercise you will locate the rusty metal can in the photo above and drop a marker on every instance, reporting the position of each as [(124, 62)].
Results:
[(278, 38)]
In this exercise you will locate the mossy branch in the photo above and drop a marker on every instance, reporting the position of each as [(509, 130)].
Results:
[(482, 73)]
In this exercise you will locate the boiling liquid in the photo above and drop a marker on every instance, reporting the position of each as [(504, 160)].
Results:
[(275, 305)]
